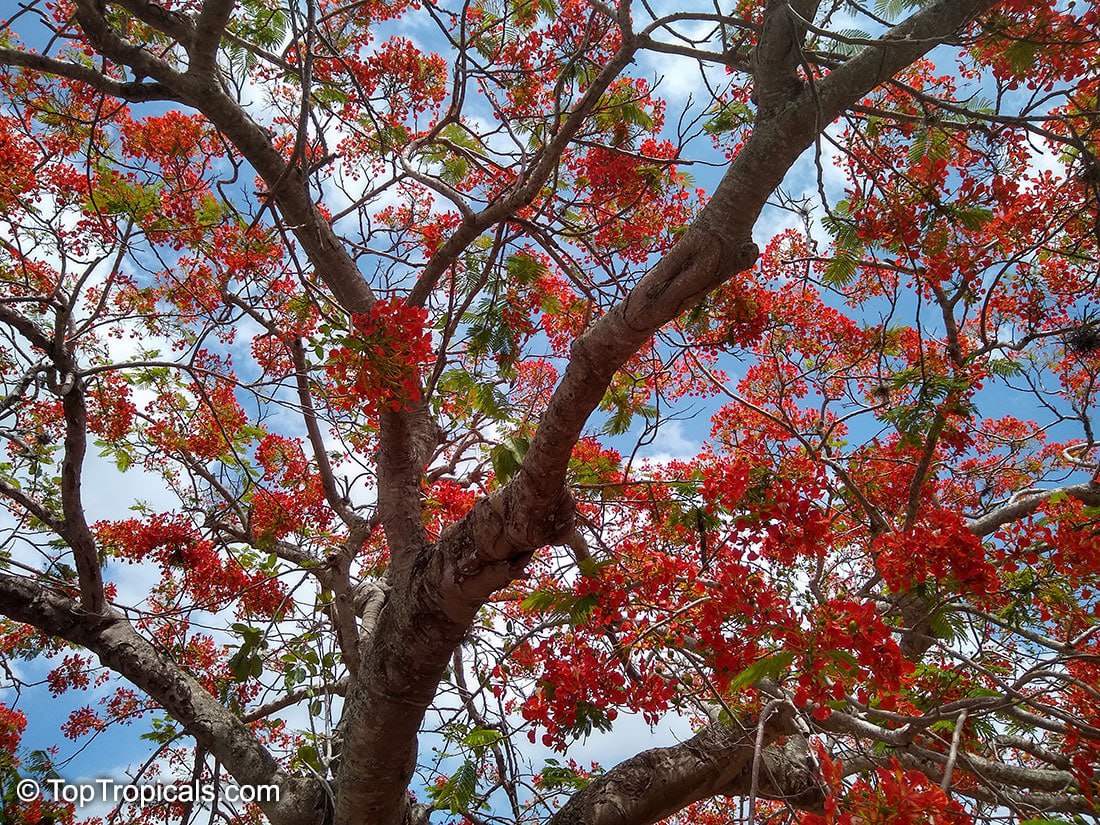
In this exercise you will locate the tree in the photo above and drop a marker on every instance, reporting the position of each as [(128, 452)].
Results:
[(376, 293)]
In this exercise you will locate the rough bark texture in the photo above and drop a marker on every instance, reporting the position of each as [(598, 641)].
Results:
[(715, 762)]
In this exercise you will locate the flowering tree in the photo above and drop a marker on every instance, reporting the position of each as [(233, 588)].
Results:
[(365, 309)]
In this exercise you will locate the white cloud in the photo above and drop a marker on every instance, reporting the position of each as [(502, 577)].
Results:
[(671, 444)]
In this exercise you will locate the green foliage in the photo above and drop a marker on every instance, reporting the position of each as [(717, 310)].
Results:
[(248, 660), (117, 195), (971, 217), (121, 454), (525, 13), (524, 269), (849, 248), (1004, 367), (485, 397), (622, 116), (556, 776), (308, 754), (849, 49), (507, 457), (302, 664), (947, 624), (162, 731), (589, 718), (481, 739), (729, 117), (262, 24), (459, 791), (1022, 55), (491, 334), (930, 143), (36, 765), (560, 603), (622, 406), (769, 667), (935, 395), (893, 9)]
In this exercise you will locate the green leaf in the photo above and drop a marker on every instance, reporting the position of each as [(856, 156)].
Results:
[(1004, 367), (844, 659), (770, 667), (728, 117), (945, 624), (561, 603), (555, 776), (524, 269), (308, 755), (163, 732), (849, 49), (840, 270), (973, 217), (488, 399), (618, 423), (543, 601), (919, 146), (507, 457), (893, 9), (459, 791), (1021, 56), (983, 692), (455, 168), (481, 738)]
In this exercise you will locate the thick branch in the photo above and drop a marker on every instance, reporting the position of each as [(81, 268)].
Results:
[(76, 530), (409, 440), (911, 39), (296, 697), (1009, 779), (778, 54), (73, 527), (124, 651), (143, 64), (32, 506), (208, 34), (172, 23), (132, 92), (1028, 503), (718, 245), (289, 188), (717, 761), (287, 184), (30, 330)]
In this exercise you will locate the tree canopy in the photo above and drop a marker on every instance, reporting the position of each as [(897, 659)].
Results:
[(339, 342)]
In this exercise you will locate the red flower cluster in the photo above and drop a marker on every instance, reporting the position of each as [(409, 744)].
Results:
[(12, 725), (892, 796), (291, 497), (846, 644), (175, 545), (379, 363), (940, 548)]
